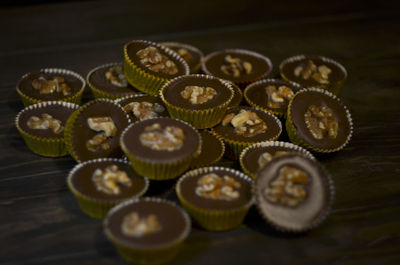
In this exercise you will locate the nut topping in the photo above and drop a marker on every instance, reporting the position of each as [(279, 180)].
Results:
[(278, 97), (144, 110), (56, 84), (110, 179), (156, 62), (212, 186), (198, 94), (184, 54), (319, 74), (116, 76), (135, 226), (289, 188), (106, 128), (170, 138), (321, 122), (236, 67), (46, 122), (246, 123), (266, 157)]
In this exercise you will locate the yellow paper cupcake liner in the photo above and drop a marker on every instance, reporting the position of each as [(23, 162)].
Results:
[(194, 69), (148, 256), (76, 98), (296, 139), (214, 220), (49, 147), (195, 164), (143, 80), (202, 118)]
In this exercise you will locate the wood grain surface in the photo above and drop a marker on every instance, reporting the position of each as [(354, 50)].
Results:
[(40, 221)]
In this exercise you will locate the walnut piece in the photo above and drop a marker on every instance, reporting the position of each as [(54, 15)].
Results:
[(135, 226), (321, 122), (198, 94), (184, 54), (266, 157), (236, 67), (246, 123), (106, 128), (212, 186), (56, 84), (156, 62), (319, 74), (116, 76), (45, 122), (110, 179), (144, 110), (170, 138), (289, 188), (280, 97)]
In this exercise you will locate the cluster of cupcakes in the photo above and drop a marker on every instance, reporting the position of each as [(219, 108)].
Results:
[(154, 118)]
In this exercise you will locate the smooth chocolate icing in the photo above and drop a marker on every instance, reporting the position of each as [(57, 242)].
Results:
[(145, 98), (195, 58), (211, 149), (237, 96)]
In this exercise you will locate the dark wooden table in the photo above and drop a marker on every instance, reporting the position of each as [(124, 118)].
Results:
[(40, 222)]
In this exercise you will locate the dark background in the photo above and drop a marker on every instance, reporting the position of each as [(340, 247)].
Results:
[(40, 222)]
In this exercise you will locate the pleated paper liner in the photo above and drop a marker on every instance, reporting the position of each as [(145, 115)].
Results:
[(205, 158), (146, 80), (331, 87), (158, 170), (158, 254), (292, 131), (199, 118), (194, 68), (285, 220), (97, 207), (75, 98), (49, 147), (288, 147), (214, 220)]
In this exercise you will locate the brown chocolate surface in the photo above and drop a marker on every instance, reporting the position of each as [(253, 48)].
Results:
[(25, 85), (211, 149), (170, 217), (172, 92), (133, 145), (307, 214), (237, 96), (299, 107), (194, 61), (143, 98), (82, 181)]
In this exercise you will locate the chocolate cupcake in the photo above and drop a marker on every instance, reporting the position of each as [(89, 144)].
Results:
[(100, 184), (147, 230), (189, 53), (212, 150), (244, 126), (109, 81), (217, 198), (314, 71), (148, 65), (318, 121), (160, 148), (93, 131), (271, 95), (200, 100), (257, 156), (42, 127), (141, 107), (293, 193), (241, 67), (51, 84)]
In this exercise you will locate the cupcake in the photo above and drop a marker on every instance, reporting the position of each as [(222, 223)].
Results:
[(200, 100), (42, 127), (189, 53), (216, 198), (51, 84), (160, 148), (147, 230), (314, 71), (148, 65), (293, 193), (241, 67), (256, 156), (212, 150), (318, 121), (93, 131), (109, 81), (102, 183), (244, 126), (271, 95), (141, 107)]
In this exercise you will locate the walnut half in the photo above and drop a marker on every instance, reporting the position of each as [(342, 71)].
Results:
[(198, 94), (110, 179), (278, 97), (135, 226), (45, 122), (319, 74), (151, 58), (321, 123), (215, 187), (116, 76), (106, 128), (236, 67), (144, 110), (170, 138), (49, 86), (246, 123)]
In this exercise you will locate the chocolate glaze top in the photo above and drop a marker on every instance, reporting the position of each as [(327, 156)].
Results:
[(211, 149), (237, 96), (195, 53)]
